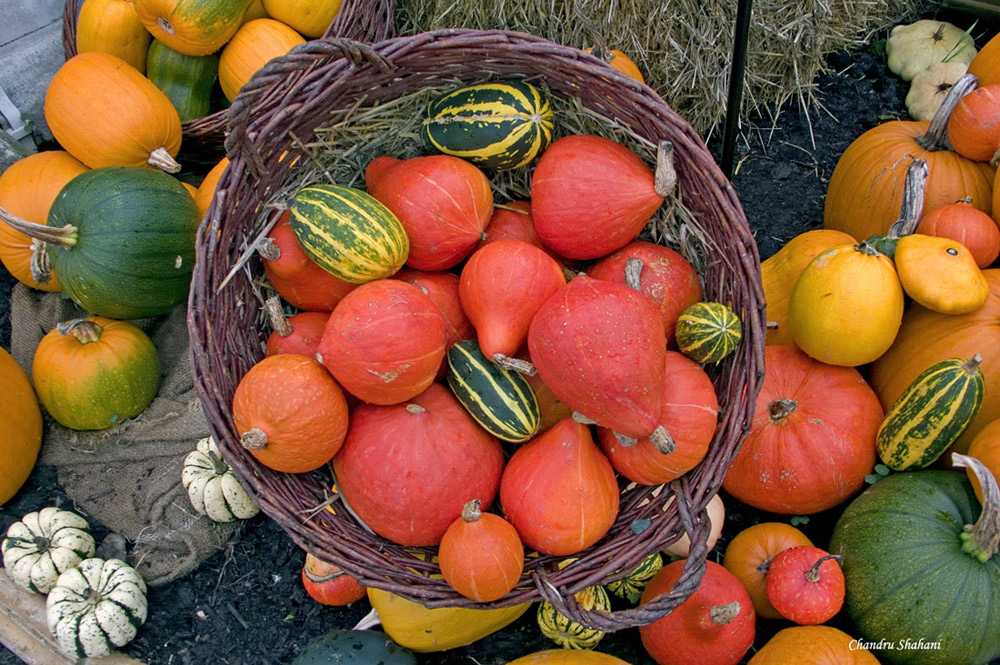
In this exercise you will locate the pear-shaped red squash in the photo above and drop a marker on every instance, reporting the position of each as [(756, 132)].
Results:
[(502, 286), (591, 196), (601, 348), (442, 288), (442, 201), (663, 276), (559, 491), (513, 221), (297, 278), (689, 412), (481, 555), (385, 342), (407, 470)]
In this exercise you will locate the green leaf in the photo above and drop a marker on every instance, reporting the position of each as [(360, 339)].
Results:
[(799, 520), (882, 469)]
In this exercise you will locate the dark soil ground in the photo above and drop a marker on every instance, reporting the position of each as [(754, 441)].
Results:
[(246, 604)]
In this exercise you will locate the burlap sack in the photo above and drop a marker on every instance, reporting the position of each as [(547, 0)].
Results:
[(128, 477)]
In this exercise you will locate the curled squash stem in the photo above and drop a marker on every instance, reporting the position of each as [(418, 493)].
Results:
[(725, 614), (936, 138), (982, 539), (913, 200), (812, 575), (514, 364), (280, 324), (163, 160), (84, 330), (64, 236), (40, 266)]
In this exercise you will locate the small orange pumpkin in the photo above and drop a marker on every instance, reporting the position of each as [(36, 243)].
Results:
[(986, 65), (985, 447), (813, 645), (112, 26), (973, 228), (27, 189), (20, 427), (253, 45), (328, 584), (974, 125), (309, 17), (940, 274), (290, 413), (567, 657), (618, 60), (749, 555), (105, 113), (481, 555)]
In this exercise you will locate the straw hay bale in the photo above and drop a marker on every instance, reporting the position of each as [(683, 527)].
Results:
[(684, 47)]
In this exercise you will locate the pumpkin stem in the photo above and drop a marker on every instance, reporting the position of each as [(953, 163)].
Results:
[(162, 160), (866, 248), (268, 249), (320, 579), (982, 539), (633, 271), (772, 325), (812, 575), (936, 137), (65, 236), (165, 25), (913, 200), (254, 439), (514, 364), (471, 512), (665, 177), (219, 464), (40, 266), (995, 159), (369, 620), (725, 614), (272, 306), (972, 364), (582, 419), (779, 409), (41, 543), (414, 408), (625, 441), (765, 565), (662, 441), (84, 330)]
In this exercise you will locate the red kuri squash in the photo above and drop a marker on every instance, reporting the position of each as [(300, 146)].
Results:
[(328, 584), (806, 585), (299, 333), (481, 555), (749, 554), (963, 223), (974, 125)]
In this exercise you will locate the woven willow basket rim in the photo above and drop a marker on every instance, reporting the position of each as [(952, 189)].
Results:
[(362, 20), (321, 82)]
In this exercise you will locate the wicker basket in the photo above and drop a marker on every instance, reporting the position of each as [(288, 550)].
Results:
[(321, 84), (363, 20)]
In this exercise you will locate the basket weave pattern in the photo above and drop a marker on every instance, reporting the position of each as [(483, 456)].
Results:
[(361, 20), (317, 85)]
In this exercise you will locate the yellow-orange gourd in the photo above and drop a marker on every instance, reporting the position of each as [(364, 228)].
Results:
[(253, 45), (104, 112), (27, 189), (940, 274), (985, 447), (206, 190), (813, 645), (20, 427), (620, 61), (309, 17), (192, 27), (112, 26)]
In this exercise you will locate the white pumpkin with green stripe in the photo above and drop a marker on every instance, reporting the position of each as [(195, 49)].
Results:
[(42, 545), (707, 332), (348, 233), (497, 125), (96, 607), (500, 400), (570, 634), (931, 413)]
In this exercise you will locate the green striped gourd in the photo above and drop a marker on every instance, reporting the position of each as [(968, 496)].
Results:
[(707, 332), (501, 401), (498, 125), (931, 413), (348, 233), (630, 587), (570, 634)]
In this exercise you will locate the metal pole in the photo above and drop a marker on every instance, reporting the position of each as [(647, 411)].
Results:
[(735, 86)]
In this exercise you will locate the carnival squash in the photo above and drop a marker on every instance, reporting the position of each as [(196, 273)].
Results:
[(309, 17), (813, 645), (20, 427), (749, 554), (630, 587), (481, 555), (212, 485), (42, 545), (131, 123), (28, 187), (920, 562), (186, 80), (566, 632), (591, 196), (254, 45), (812, 440), (963, 223), (290, 413), (928, 337), (408, 470), (192, 27), (707, 332), (112, 26)]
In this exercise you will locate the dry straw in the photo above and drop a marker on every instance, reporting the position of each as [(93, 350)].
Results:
[(684, 47)]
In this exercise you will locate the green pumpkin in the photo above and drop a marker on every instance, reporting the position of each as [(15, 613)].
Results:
[(186, 80), (913, 572), (121, 241), (354, 647)]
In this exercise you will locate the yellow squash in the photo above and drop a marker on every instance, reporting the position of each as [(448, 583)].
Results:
[(192, 27), (310, 17), (940, 274), (253, 45), (112, 26)]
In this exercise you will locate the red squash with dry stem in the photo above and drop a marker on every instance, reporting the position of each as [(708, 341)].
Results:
[(806, 585), (328, 584), (442, 288), (962, 222), (749, 554), (481, 555), (299, 333), (974, 125)]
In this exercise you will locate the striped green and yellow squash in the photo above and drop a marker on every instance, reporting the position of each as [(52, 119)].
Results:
[(501, 401), (931, 413), (707, 332), (348, 233), (630, 587), (570, 634), (499, 125)]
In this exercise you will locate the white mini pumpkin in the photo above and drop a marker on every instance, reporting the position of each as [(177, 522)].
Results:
[(910, 49), (43, 545), (929, 88), (212, 485), (96, 607)]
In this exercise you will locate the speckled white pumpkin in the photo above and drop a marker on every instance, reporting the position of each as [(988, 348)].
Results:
[(212, 485), (43, 545), (96, 607)]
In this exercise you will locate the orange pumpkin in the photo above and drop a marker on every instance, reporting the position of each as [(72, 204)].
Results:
[(813, 645), (985, 447), (749, 555), (927, 337), (112, 26), (618, 60), (20, 427), (27, 189), (986, 65), (974, 125), (206, 190), (105, 113), (192, 27), (567, 657), (290, 413), (962, 222), (253, 45), (481, 555)]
